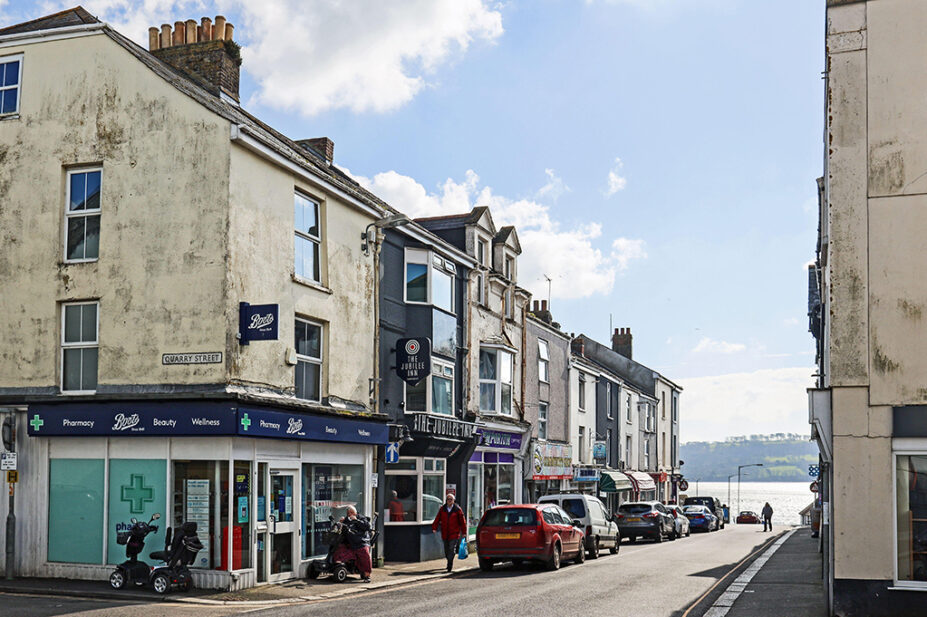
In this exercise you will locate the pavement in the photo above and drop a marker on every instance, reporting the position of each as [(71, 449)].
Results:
[(783, 578), (289, 592)]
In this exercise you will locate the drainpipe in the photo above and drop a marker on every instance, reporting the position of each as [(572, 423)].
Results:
[(375, 402)]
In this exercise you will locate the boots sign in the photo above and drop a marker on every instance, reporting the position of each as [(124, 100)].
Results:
[(257, 322), (413, 359)]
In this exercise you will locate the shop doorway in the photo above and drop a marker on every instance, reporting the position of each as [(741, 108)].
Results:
[(281, 541)]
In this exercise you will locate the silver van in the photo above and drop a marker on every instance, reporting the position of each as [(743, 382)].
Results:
[(601, 530)]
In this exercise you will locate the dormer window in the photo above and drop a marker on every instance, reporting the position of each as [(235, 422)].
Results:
[(482, 251), (510, 268)]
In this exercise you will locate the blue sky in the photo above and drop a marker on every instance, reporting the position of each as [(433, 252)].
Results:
[(658, 156)]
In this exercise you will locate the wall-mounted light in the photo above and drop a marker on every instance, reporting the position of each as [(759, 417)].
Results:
[(387, 222)]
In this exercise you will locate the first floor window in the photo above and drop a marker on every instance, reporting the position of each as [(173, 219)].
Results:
[(495, 373), (647, 454), (436, 389), (582, 444), (608, 447), (542, 420), (79, 347), (308, 360), (627, 452), (629, 407), (10, 76), (582, 392), (82, 215)]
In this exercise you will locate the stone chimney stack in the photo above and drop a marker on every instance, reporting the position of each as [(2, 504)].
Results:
[(322, 146), (621, 342), (578, 346), (204, 52)]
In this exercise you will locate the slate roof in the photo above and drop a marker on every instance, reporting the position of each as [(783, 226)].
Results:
[(70, 17), (450, 221), (635, 373)]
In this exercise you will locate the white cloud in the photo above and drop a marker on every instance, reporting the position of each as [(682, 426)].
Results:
[(616, 182), (554, 187), (763, 401), (363, 55), (567, 255), (707, 345), (791, 321)]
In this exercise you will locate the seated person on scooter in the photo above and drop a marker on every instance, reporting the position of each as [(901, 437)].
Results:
[(357, 543)]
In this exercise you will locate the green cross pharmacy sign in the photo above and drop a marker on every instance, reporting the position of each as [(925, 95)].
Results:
[(136, 494)]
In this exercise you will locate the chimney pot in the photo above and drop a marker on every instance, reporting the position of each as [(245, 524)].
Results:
[(165, 36), (218, 31), (179, 30), (622, 342), (543, 305), (229, 30), (206, 25), (534, 306), (190, 31), (154, 41)]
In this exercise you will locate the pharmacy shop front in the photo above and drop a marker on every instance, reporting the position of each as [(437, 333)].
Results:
[(261, 483)]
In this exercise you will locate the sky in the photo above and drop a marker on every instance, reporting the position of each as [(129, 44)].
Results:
[(658, 157)]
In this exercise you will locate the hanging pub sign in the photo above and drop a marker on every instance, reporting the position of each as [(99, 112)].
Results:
[(599, 451), (257, 322), (413, 359)]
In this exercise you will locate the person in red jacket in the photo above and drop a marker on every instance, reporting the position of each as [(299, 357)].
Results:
[(453, 524)]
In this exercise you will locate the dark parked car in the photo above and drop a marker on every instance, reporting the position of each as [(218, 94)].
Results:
[(712, 503), (536, 532), (748, 517), (701, 518), (648, 519)]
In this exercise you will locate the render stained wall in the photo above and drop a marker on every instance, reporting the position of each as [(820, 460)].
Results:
[(160, 278), (261, 269), (556, 392)]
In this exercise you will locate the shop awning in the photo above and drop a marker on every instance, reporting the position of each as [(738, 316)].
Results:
[(614, 482), (641, 481)]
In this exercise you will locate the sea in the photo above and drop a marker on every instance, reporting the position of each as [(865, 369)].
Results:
[(786, 498)]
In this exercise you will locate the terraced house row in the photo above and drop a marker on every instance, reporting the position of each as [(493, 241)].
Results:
[(205, 318)]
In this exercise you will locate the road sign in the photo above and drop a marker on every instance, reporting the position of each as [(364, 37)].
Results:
[(12, 477), (683, 485), (813, 470), (814, 486), (392, 452), (8, 461)]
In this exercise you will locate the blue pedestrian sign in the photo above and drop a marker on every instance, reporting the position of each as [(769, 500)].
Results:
[(392, 452), (813, 471)]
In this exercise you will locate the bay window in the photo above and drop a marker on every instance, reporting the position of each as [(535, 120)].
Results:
[(429, 279), (435, 393), (495, 373)]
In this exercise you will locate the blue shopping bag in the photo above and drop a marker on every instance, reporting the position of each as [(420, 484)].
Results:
[(462, 552)]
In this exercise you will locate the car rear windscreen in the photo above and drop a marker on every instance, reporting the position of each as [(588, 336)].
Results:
[(634, 508), (509, 517), (708, 502), (575, 507)]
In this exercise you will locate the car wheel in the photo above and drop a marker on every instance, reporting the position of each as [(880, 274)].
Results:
[(594, 550), (161, 584), (580, 556), (518, 562), (658, 537), (614, 549), (632, 539), (554, 562), (673, 535), (688, 531), (485, 565), (117, 579)]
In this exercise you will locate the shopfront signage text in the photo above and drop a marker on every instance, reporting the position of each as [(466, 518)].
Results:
[(257, 322), (552, 461), (500, 439), (586, 474), (209, 357), (413, 359), (442, 427), (263, 423), (137, 419), (599, 451)]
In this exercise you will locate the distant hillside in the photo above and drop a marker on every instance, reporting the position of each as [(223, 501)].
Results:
[(785, 458)]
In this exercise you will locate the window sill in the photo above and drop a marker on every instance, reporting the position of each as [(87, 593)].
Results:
[(77, 392), (10, 117), (904, 587), (310, 283), (73, 262)]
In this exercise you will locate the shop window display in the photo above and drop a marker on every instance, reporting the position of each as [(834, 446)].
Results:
[(241, 527), (201, 495), (414, 490), (911, 509), (75, 510), (137, 489), (490, 483), (328, 490)]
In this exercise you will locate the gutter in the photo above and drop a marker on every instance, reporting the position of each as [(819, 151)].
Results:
[(50, 34)]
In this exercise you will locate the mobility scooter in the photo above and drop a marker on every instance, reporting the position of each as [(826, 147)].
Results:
[(134, 539), (335, 537), (179, 552)]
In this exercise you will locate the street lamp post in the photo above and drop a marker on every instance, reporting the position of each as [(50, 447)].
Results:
[(729, 489), (739, 467)]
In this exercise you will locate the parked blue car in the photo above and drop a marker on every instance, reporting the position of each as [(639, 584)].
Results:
[(701, 518)]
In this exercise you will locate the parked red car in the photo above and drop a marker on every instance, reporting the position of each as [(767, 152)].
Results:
[(748, 517), (528, 532)]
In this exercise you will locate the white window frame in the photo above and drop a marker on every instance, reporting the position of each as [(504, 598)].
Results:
[(482, 251), (674, 402), (608, 400), (317, 240), (79, 345), (498, 381), (647, 455), (429, 389), (608, 447), (320, 361), (18, 86), (68, 214), (509, 267), (542, 419), (543, 361), (421, 464), (480, 288), (431, 261), (581, 392), (581, 445), (627, 451), (628, 416)]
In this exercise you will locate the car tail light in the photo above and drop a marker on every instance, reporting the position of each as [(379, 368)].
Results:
[(674, 513), (619, 516), (651, 515)]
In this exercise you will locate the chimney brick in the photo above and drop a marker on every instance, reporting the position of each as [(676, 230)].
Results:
[(621, 342), (323, 146), (213, 64)]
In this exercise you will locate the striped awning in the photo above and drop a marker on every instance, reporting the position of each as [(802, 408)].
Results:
[(641, 481), (613, 481)]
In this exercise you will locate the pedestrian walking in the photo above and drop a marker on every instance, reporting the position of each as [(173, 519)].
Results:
[(453, 524), (767, 517)]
